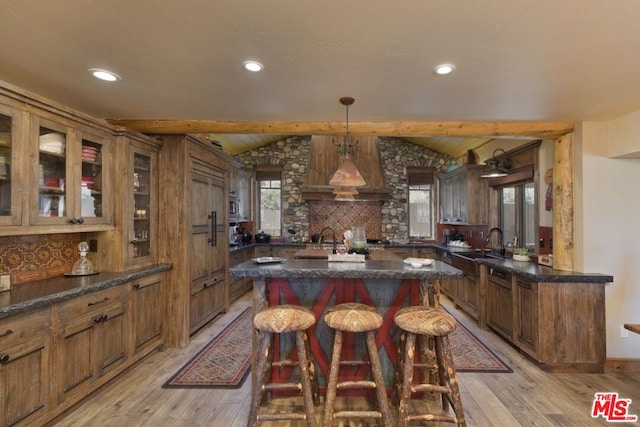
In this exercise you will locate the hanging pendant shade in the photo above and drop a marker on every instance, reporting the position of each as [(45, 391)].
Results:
[(347, 174)]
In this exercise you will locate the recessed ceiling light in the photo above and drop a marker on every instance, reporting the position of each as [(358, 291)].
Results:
[(444, 69), (104, 75), (254, 66)]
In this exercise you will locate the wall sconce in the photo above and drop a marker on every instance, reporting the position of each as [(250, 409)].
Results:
[(494, 167), (347, 175)]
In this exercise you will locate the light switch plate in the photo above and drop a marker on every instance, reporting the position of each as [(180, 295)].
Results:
[(5, 282)]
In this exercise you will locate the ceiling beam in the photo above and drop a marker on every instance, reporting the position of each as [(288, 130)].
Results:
[(539, 130)]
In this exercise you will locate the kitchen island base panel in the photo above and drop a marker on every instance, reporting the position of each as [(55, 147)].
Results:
[(387, 296)]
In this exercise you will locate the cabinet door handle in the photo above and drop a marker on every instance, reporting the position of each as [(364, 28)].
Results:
[(4, 358), (99, 302), (213, 217), (136, 286), (80, 220), (7, 333)]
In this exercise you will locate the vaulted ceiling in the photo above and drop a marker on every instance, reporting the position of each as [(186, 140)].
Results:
[(518, 63)]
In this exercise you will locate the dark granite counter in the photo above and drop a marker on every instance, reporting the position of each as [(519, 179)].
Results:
[(541, 273), (43, 293), (529, 270), (370, 269)]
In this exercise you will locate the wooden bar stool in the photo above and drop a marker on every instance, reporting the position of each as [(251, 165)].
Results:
[(278, 320), (356, 318), (435, 324)]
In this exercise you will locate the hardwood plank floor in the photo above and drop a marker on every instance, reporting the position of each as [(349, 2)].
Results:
[(526, 397)]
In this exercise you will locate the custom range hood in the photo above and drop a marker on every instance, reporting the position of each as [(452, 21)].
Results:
[(325, 159)]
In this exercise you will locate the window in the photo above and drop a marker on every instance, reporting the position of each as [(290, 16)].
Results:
[(517, 214), (421, 202), (269, 195)]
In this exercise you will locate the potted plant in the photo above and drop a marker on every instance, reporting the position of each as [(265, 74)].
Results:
[(521, 254)]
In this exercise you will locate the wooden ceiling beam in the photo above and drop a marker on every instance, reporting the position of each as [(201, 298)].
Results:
[(538, 130)]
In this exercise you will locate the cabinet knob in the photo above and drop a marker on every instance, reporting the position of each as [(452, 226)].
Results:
[(4, 359)]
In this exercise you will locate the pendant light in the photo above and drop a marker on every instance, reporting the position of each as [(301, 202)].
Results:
[(494, 169), (347, 176)]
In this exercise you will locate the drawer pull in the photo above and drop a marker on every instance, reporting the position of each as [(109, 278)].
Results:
[(4, 359), (7, 333), (136, 286), (99, 302), (101, 318)]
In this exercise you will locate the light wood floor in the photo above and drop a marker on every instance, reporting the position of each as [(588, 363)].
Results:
[(526, 397)]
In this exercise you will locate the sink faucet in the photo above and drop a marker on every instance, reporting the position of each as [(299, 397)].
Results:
[(333, 232), (488, 239)]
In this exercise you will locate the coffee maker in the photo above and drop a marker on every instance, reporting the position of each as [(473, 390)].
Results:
[(234, 238)]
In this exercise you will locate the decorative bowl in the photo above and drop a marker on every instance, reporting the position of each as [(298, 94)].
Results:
[(517, 257)]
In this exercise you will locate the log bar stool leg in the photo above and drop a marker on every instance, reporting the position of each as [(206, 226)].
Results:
[(356, 318), (277, 320), (426, 321)]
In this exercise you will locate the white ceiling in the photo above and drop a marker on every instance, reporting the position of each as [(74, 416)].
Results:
[(565, 60)]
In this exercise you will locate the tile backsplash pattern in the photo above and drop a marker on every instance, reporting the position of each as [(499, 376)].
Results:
[(343, 216), (38, 257)]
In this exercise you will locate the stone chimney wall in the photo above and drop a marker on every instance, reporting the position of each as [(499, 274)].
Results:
[(396, 155)]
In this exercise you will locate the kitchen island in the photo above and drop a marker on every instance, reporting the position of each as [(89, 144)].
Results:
[(383, 281)]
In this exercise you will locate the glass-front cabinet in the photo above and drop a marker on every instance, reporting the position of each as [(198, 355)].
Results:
[(70, 175), (142, 213), (10, 200)]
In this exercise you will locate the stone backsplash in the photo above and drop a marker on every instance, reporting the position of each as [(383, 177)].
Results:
[(37, 257), (395, 155)]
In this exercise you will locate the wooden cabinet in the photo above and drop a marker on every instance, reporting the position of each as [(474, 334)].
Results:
[(499, 304), (25, 370), (401, 252), (91, 340), (560, 325), (147, 314), (425, 253), (194, 203), (464, 196), (285, 251), (72, 174), (56, 168), (240, 192), (262, 250), (13, 165), (526, 316), (238, 286), (468, 288)]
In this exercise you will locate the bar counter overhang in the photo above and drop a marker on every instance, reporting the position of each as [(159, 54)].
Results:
[(384, 282)]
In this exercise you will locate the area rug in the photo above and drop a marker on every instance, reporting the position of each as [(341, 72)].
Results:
[(223, 363), (471, 355)]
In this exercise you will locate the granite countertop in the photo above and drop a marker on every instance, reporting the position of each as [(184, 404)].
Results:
[(43, 293), (541, 273), (321, 268)]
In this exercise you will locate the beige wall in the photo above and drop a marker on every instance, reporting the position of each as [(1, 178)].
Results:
[(607, 211)]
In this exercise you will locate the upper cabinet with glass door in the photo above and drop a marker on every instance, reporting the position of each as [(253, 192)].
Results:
[(70, 175), (10, 171)]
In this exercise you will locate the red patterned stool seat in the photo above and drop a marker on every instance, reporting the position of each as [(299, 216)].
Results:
[(280, 320), (435, 325), (355, 318)]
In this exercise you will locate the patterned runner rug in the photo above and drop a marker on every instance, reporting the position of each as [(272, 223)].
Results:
[(471, 355), (225, 362)]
